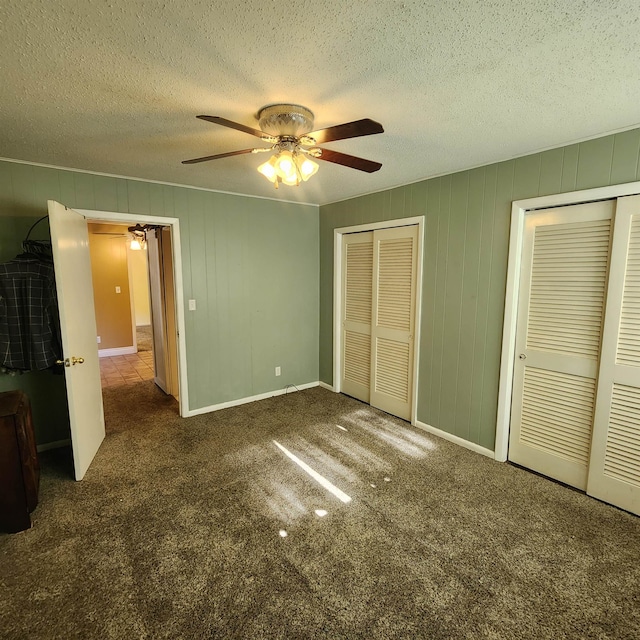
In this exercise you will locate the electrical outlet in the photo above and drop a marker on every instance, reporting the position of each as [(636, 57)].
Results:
[(278, 371), (118, 290), (192, 305), (99, 339)]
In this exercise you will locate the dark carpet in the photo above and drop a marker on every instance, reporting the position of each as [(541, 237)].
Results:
[(178, 531), (144, 337)]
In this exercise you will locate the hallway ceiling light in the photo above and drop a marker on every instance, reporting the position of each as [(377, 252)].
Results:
[(138, 237)]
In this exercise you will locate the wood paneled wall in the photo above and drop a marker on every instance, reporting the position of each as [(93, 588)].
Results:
[(465, 265), (251, 265)]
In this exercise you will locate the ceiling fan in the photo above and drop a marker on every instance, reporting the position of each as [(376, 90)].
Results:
[(288, 129), (136, 234)]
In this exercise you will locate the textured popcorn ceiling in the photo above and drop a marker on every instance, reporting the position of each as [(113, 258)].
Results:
[(114, 86)]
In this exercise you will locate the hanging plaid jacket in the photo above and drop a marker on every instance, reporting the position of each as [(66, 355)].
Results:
[(29, 322)]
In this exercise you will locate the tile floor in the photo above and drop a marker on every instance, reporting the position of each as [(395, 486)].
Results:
[(117, 370)]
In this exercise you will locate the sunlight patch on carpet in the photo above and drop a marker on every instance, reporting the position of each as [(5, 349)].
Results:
[(341, 495)]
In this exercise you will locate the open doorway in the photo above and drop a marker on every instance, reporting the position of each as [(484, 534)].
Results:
[(134, 300), (74, 286)]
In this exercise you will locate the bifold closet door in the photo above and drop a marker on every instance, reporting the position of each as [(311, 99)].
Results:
[(395, 262), (357, 283), (614, 469), (563, 283)]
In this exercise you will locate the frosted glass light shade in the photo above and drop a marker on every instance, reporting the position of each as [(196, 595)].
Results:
[(291, 180), (285, 167), (288, 167), (268, 169), (306, 166)]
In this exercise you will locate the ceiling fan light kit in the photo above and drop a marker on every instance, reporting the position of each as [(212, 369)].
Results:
[(288, 128), (288, 167)]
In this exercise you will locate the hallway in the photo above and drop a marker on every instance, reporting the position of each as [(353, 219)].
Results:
[(128, 369), (117, 370)]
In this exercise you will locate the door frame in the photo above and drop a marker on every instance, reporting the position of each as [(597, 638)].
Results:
[(174, 224), (337, 298), (519, 211), (132, 304)]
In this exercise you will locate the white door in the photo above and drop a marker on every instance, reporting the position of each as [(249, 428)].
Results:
[(158, 319), (395, 259), (614, 469), (357, 283), (563, 282), (72, 264)]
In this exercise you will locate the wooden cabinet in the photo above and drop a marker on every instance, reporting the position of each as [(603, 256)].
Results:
[(19, 469)]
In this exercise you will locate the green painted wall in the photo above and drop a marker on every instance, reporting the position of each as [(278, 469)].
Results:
[(465, 266), (46, 390), (251, 265)]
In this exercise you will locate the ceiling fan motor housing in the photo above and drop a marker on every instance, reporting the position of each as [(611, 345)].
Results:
[(285, 120)]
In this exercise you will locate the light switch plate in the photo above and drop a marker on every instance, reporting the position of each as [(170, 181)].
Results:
[(192, 305)]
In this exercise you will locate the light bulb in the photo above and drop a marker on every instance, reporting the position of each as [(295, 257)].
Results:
[(291, 180), (135, 245), (307, 167), (268, 169), (285, 168)]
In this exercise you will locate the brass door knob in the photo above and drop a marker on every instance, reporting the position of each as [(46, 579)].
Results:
[(65, 362), (75, 360)]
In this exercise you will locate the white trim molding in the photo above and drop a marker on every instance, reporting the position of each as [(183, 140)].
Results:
[(519, 210), (326, 386), (261, 396), (337, 297), (169, 184), (472, 446), (117, 351)]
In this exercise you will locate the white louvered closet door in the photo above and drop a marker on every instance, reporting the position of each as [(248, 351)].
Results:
[(394, 299), (614, 470), (563, 282), (357, 279)]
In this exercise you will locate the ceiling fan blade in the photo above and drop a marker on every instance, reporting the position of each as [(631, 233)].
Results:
[(119, 234), (349, 161), (353, 129), (234, 125), (219, 155)]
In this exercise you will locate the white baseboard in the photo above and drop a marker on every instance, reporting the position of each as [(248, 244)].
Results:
[(239, 401), (324, 385), (455, 439), (58, 444), (117, 351)]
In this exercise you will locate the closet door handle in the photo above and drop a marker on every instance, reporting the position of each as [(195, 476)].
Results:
[(75, 360), (65, 362)]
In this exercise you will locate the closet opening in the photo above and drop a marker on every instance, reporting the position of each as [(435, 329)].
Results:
[(377, 302), (569, 399)]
